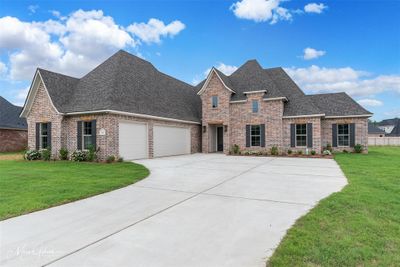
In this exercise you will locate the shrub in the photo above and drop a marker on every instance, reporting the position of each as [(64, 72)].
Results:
[(92, 153), (274, 150), (345, 151), (265, 153), (329, 147), (79, 155), (120, 159), (358, 148), (110, 159), (289, 152), (313, 152), (63, 153), (300, 152), (235, 149), (247, 153), (259, 153), (45, 154), (327, 152), (32, 155)]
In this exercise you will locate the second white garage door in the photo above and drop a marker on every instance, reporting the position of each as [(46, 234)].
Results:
[(133, 140), (169, 141)]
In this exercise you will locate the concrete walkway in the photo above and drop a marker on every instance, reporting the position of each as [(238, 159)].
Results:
[(193, 210)]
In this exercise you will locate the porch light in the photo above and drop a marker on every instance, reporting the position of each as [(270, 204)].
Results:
[(225, 128), (204, 129)]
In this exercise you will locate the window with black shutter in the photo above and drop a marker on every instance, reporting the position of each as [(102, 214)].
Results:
[(301, 135), (343, 135), (44, 135)]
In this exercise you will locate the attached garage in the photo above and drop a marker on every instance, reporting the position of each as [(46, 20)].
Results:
[(133, 143), (171, 140)]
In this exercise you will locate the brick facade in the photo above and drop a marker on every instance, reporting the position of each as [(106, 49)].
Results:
[(13, 140), (236, 115), (64, 128)]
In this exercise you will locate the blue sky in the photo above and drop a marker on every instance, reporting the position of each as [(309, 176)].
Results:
[(325, 46)]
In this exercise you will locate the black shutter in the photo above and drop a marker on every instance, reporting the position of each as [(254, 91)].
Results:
[(79, 135), (94, 134), (292, 135), (334, 135), (309, 135), (248, 135), (262, 135), (37, 136), (352, 134), (48, 135)]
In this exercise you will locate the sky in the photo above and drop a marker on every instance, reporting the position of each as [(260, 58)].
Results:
[(325, 46)]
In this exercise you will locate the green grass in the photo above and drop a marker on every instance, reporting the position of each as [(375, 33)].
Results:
[(359, 226), (29, 186)]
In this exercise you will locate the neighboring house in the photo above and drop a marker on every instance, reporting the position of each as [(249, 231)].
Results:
[(13, 129), (374, 131), (390, 126), (126, 107)]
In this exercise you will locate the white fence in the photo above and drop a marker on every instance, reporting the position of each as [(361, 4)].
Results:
[(384, 141)]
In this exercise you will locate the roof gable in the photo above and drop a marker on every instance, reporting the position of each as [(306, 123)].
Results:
[(9, 116), (222, 77)]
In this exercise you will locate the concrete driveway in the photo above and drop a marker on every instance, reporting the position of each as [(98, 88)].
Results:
[(194, 210)]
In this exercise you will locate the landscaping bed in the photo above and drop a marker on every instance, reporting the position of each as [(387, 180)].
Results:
[(27, 186), (359, 226)]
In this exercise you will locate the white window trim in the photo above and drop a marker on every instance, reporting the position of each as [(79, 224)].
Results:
[(212, 101), (85, 135), (337, 134), (251, 135), (42, 135), (300, 135), (252, 107)]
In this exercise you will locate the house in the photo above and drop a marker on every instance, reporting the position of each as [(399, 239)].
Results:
[(374, 131), (390, 126), (13, 129), (126, 107)]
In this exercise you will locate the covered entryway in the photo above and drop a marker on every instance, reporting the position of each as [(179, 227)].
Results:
[(170, 140), (216, 138), (133, 143)]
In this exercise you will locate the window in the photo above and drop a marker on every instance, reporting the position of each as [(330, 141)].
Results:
[(254, 106), (87, 134), (44, 137), (214, 100), (255, 135), (301, 134), (343, 134)]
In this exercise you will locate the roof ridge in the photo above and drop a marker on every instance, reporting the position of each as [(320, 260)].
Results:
[(69, 76)]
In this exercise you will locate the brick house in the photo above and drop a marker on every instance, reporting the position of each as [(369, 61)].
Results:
[(126, 107), (13, 129)]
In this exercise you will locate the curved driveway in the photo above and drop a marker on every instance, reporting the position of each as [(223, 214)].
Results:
[(193, 210)]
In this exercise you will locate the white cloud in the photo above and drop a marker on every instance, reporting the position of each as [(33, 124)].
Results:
[(32, 8), (261, 10), (368, 102), (315, 79), (394, 113), (72, 45), (3, 68), (225, 69), (314, 8), (311, 53), (154, 29)]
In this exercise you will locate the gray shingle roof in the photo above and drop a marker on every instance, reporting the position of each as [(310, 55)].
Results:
[(126, 83), (338, 104), (9, 116), (372, 129)]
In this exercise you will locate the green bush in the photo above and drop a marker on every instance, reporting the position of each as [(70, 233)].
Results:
[(235, 149), (120, 159), (345, 151), (300, 152), (289, 152), (327, 152), (358, 148), (110, 159), (274, 150), (63, 153), (79, 155), (313, 152), (329, 147), (45, 154), (92, 153), (32, 155)]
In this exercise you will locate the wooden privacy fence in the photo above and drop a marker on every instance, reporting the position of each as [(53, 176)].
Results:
[(384, 141)]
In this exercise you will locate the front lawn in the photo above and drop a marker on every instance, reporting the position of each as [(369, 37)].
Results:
[(359, 226), (29, 186)]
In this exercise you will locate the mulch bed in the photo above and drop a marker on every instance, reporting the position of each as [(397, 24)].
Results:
[(288, 156)]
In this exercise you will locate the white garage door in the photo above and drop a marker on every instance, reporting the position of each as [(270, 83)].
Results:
[(170, 141), (133, 140)]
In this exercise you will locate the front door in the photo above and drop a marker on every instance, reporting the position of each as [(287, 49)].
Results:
[(220, 139)]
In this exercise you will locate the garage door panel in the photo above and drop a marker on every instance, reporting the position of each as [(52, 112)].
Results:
[(133, 142), (169, 141)]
